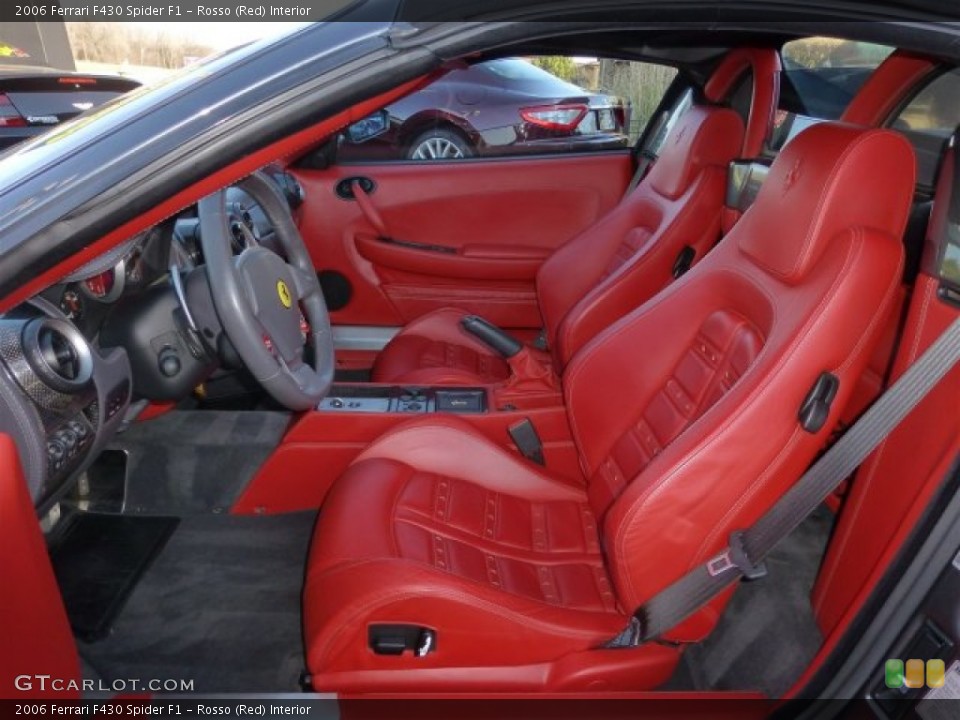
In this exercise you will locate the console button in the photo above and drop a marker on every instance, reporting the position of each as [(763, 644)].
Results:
[(78, 428), (68, 438), (56, 453)]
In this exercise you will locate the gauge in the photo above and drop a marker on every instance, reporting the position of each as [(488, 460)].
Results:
[(108, 285), (100, 286), (72, 305)]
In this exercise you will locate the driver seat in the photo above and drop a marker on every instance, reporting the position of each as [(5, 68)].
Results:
[(685, 416)]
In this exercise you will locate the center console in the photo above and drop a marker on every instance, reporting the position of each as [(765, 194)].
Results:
[(398, 399)]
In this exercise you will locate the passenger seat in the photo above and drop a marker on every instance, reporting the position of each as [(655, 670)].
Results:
[(662, 227)]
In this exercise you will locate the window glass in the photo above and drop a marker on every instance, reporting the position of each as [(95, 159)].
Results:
[(928, 120), (669, 118), (820, 77), (514, 106)]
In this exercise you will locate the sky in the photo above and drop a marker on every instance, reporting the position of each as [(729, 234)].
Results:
[(219, 35)]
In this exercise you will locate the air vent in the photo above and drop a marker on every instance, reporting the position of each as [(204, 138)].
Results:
[(58, 354)]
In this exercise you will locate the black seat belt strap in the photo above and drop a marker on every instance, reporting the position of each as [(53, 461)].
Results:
[(744, 556), (645, 157)]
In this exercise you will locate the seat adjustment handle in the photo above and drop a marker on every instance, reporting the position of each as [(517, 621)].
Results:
[(816, 406), (397, 639)]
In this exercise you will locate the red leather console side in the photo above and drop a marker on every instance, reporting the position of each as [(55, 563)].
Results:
[(36, 636)]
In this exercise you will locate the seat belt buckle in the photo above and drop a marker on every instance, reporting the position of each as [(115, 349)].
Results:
[(525, 437), (735, 556), (629, 637)]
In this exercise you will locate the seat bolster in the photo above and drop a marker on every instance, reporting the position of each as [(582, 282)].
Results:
[(402, 360), (450, 446), (345, 599)]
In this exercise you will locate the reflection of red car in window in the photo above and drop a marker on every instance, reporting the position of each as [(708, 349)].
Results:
[(503, 106)]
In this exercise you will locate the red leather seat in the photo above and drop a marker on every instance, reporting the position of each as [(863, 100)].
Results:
[(626, 257), (685, 418), (617, 263)]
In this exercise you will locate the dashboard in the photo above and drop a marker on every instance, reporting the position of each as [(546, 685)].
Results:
[(75, 358)]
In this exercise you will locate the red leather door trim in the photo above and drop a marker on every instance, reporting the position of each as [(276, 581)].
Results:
[(897, 481), (501, 218), (472, 262)]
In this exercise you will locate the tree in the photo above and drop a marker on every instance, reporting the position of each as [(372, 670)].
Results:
[(118, 43), (563, 67)]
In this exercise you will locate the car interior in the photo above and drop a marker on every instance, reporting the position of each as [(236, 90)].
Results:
[(442, 426)]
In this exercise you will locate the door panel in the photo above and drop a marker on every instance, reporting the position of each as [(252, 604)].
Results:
[(466, 234), (37, 638)]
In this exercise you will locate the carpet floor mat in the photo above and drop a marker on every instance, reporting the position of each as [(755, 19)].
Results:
[(190, 461), (98, 561), (220, 607), (768, 634)]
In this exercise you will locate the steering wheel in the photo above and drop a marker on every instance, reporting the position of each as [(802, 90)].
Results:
[(259, 297)]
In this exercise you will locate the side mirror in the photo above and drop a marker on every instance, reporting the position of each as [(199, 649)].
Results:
[(369, 128)]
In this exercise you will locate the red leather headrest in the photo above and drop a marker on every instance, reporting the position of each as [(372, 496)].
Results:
[(765, 64), (703, 136), (828, 179)]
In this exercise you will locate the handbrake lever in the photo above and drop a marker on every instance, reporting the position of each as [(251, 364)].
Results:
[(491, 335)]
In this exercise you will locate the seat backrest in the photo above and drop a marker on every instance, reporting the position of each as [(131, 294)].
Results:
[(764, 66), (685, 411), (631, 254), (628, 256)]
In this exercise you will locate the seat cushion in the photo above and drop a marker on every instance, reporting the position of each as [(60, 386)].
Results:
[(500, 558), (435, 350)]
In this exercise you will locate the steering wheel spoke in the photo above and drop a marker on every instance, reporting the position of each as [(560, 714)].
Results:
[(305, 282)]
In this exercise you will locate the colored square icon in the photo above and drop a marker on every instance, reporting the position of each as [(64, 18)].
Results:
[(893, 673), (913, 678), (936, 672)]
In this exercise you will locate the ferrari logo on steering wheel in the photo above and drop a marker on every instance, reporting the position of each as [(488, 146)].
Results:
[(284, 293)]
